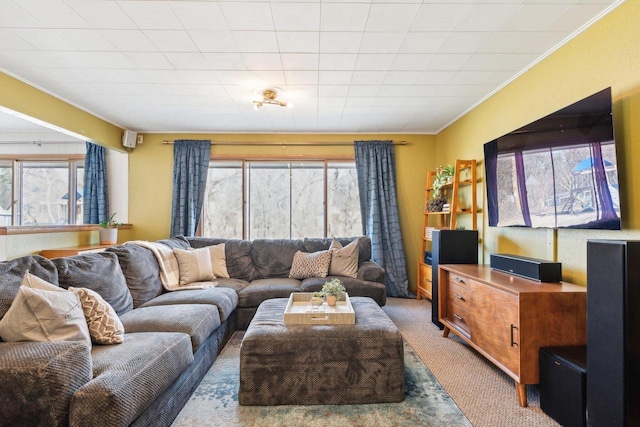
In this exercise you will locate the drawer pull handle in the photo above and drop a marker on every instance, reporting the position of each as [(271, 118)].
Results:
[(513, 343), (457, 316), (459, 296), (457, 279)]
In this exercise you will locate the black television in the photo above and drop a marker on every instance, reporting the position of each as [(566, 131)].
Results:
[(557, 172)]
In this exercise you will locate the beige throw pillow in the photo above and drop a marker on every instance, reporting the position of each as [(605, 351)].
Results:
[(344, 260), (44, 312), (307, 265), (218, 260), (104, 324), (194, 265)]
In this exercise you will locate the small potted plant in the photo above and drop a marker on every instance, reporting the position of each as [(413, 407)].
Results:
[(334, 291), (317, 298), (109, 231), (444, 176)]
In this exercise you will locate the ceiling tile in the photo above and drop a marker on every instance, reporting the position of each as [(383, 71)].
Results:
[(486, 17), (234, 78), (10, 41), (335, 77), (298, 41), (85, 39), (448, 61), (423, 42), (411, 62), (150, 61), (533, 17), (505, 42), (187, 61), (225, 61), (343, 16), (439, 17), (52, 13), (340, 42), (481, 77), (151, 15), (262, 61), (333, 90), (102, 14), (129, 40), (43, 39), (214, 41), (256, 41), (373, 62), (498, 61), (368, 77), (576, 16), (542, 42), (296, 16), (196, 15), (363, 90), (387, 42), (295, 77), (391, 17), (171, 41), (300, 61), (247, 16), (464, 42), (337, 61), (13, 16)]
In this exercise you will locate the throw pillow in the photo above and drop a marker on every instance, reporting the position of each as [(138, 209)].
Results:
[(305, 265), (218, 260), (104, 324), (194, 265), (344, 260), (44, 312)]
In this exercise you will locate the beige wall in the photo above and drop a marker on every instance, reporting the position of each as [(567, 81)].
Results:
[(607, 54), (151, 168)]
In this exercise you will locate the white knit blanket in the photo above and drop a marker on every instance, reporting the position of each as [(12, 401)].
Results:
[(169, 269)]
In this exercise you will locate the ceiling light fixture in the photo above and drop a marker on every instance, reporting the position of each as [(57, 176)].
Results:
[(269, 96)]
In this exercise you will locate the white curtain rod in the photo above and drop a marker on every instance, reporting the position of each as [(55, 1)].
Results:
[(284, 143)]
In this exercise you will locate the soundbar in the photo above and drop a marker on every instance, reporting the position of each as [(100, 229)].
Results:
[(531, 268)]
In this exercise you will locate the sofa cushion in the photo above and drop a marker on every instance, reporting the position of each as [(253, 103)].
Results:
[(12, 273), (264, 289), (100, 272), (104, 324), (273, 258), (313, 244), (194, 265), (226, 299), (344, 259), (314, 264), (237, 254), (141, 272), (44, 312), (176, 242), (39, 380), (236, 284), (129, 377), (196, 320)]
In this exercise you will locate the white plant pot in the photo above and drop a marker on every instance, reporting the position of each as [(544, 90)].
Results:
[(108, 236)]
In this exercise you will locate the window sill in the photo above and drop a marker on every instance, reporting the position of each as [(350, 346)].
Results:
[(38, 229)]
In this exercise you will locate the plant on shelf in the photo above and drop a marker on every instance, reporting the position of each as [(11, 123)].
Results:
[(443, 177), (110, 223), (334, 290), (108, 232)]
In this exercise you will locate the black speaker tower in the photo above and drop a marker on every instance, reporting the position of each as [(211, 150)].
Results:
[(613, 333)]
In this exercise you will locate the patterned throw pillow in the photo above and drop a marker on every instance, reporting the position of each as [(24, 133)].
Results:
[(305, 265), (104, 324), (344, 260)]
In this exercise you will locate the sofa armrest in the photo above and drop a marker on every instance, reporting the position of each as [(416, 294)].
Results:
[(39, 379), (371, 272)]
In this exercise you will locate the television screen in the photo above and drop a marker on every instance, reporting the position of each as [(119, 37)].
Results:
[(557, 172)]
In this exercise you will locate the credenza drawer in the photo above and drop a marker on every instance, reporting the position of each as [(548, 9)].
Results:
[(458, 294), (459, 317)]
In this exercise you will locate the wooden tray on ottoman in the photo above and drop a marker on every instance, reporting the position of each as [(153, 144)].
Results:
[(298, 312)]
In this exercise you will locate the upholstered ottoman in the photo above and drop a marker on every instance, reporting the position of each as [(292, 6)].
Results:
[(321, 364)]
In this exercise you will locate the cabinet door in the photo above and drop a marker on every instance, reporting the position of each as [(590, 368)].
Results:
[(495, 324)]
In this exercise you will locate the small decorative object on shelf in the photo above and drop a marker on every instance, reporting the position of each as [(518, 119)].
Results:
[(334, 291), (317, 298), (109, 231)]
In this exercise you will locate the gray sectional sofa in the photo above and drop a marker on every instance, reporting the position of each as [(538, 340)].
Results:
[(171, 338)]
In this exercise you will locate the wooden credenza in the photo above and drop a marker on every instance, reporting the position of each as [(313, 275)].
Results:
[(508, 318)]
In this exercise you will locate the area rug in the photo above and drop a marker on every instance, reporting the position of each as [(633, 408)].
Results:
[(215, 402)]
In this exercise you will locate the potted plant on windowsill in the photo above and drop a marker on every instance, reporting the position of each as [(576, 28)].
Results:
[(109, 231), (334, 291)]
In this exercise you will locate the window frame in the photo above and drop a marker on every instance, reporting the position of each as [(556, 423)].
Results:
[(73, 163), (325, 161)]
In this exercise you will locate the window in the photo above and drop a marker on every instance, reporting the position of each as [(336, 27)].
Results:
[(41, 192), (281, 199)]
